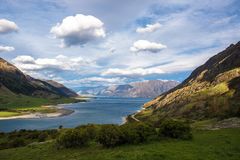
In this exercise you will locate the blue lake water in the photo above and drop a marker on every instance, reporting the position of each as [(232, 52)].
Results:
[(100, 110)]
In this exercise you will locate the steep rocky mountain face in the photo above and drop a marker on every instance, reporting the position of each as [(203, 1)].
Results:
[(62, 88), (212, 90), (13, 81), (147, 89)]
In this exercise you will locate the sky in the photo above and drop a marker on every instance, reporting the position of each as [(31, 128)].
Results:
[(96, 43)]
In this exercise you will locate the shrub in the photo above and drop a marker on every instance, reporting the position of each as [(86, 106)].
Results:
[(175, 129), (2, 134), (91, 130), (42, 136), (110, 136), (34, 134), (17, 142), (137, 132), (53, 133), (72, 138)]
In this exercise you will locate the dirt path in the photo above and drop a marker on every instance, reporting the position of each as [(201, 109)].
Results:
[(134, 118)]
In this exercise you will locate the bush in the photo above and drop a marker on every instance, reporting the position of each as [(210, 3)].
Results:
[(42, 137), (91, 130), (175, 129), (110, 136), (73, 138), (17, 142), (138, 132), (53, 133)]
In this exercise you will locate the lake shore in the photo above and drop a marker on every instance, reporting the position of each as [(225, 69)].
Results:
[(45, 111), (36, 115)]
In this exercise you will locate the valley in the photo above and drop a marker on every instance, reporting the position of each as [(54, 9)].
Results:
[(119, 80)]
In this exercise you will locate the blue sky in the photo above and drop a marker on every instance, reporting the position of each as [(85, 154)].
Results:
[(94, 43)]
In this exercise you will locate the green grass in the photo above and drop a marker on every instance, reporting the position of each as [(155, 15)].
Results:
[(12, 105), (206, 145), (203, 123), (21, 101), (9, 114)]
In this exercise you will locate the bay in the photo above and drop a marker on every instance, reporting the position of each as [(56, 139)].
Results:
[(99, 110)]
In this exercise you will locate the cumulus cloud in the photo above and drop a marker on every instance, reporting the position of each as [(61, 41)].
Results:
[(78, 30), (24, 59), (148, 28), (132, 72), (7, 26), (6, 48), (61, 62), (144, 45)]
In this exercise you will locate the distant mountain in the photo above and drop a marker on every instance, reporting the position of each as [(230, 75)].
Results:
[(13, 81), (93, 91), (146, 89), (212, 90)]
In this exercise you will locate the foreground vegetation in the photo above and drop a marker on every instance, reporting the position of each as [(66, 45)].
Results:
[(108, 135), (212, 145)]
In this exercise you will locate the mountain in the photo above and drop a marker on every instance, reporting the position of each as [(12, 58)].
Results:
[(62, 88), (13, 81), (90, 91), (212, 90), (148, 89)]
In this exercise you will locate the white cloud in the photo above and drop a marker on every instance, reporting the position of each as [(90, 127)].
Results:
[(24, 59), (177, 63), (188, 28), (144, 45), (96, 81), (149, 28), (7, 26), (112, 50), (61, 62), (6, 48), (132, 72), (78, 30)]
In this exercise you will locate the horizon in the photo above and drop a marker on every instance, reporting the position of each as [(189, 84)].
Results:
[(90, 44)]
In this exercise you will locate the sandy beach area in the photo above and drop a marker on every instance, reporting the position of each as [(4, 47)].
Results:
[(60, 112)]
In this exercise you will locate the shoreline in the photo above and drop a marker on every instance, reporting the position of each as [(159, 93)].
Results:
[(60, 111), (130, 117), (38, 115)]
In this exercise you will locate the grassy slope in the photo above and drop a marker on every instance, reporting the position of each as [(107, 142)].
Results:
[(191, 102), (212, 145), (21, 101), (13, 105), (8, 114)]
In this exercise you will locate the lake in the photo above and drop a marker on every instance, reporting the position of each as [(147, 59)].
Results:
[(100, 110)]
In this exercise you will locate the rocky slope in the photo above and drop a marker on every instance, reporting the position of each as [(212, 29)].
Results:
[(212, 90), (62, 88), (147, 89), (13, 81)]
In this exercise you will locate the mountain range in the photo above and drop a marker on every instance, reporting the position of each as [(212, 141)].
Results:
[(146, 89), (212, 90)]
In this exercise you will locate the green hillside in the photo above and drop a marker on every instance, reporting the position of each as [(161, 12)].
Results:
[(212, 90), (21, 94)]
